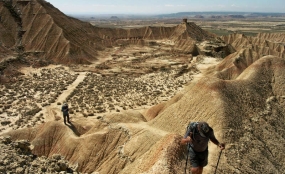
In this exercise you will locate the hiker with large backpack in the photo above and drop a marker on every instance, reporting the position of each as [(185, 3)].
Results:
[(197, 137)]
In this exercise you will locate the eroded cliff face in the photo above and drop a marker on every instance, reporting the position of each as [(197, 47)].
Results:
[(247, 51), (8, 27), (45, 32), (42, 31), (263, 43)]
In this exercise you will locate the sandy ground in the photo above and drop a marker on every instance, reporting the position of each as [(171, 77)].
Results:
[(52, 111), (203, 66)]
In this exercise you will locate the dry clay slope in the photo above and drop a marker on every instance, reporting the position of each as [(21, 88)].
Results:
[(247, 113), (245, 110), (117, 143), (244, 105), (263, 43), (246, 51), (45, 32), (242, 98)]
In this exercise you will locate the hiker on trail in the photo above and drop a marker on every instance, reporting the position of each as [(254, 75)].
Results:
[(197, 137), (64, 110)]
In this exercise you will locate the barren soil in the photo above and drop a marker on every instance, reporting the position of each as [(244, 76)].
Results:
[(154, 87), (132, 92)]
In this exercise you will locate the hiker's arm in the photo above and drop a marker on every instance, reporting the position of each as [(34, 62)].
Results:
[(216, 142), (187, 138)]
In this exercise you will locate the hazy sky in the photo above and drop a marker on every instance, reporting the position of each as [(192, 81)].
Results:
[(165, 6)]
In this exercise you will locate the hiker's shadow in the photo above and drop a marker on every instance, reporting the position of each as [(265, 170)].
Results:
[(73, 128)]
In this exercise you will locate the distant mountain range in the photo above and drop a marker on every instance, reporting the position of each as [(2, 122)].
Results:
[(184, 14), (245, 14)]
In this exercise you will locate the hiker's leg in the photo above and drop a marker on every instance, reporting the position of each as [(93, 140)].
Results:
[(64, 119), (68, 118), (198, 161), (194, 160)]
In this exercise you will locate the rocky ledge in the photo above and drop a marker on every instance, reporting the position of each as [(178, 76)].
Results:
[(17, 157)]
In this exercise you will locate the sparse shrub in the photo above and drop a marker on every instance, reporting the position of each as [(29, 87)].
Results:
[(164, 69), (91, 114), (5, 123), (51, 101)]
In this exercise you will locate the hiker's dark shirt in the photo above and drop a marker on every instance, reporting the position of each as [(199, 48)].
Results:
[(64, 109), (199, 143)]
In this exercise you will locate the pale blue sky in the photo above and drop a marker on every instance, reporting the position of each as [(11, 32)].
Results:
[(165, 6)]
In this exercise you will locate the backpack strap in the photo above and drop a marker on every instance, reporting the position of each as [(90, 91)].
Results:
[(192, 126)]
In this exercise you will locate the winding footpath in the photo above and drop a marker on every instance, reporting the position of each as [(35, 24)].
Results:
[(53, 111)]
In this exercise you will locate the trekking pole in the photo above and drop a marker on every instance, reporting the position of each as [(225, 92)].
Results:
[(218, 161), (188, 144), (188, 147)]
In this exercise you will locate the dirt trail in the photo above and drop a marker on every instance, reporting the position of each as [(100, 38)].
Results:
[(71, 87), (53, 112), (144, 126), (203, 66)]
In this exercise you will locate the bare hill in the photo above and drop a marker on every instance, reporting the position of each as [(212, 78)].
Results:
[(245, 112), (35, 33), (263, 43), (129, 122), (44, 32)]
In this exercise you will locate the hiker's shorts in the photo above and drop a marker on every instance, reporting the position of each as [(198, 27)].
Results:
[(198, 159)]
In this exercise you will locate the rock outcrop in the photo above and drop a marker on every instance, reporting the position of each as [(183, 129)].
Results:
[(18, 158)]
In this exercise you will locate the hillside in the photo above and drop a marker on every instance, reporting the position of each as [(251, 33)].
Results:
[(246, 113), (45, 32), (132, 92), (35, 33)]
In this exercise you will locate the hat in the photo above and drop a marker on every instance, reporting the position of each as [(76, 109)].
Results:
[(204, 128)]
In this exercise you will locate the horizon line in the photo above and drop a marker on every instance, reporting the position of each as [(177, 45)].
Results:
[(151, 14)]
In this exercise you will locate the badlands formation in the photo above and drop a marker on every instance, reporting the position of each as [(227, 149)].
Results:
[(132, 93)]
